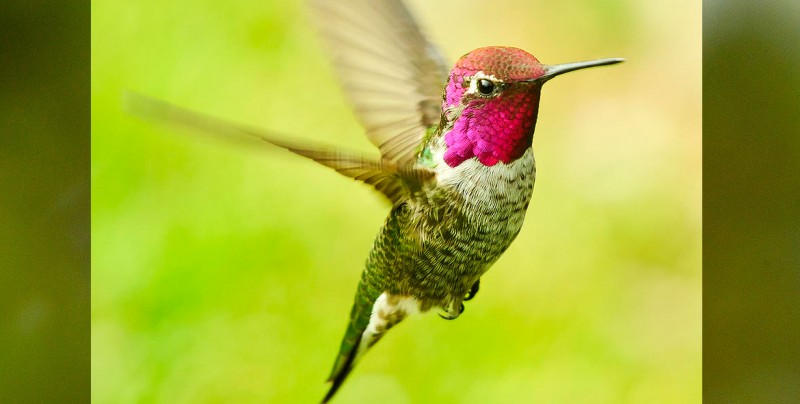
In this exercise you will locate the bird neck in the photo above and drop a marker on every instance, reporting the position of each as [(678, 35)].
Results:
[(492, 131)]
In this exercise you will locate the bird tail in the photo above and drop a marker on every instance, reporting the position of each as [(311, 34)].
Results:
[(357, 339), (341, 369)]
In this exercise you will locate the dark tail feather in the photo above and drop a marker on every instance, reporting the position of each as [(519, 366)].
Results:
[(338, 378)]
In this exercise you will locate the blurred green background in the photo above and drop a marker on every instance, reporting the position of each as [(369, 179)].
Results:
[(226, 274)]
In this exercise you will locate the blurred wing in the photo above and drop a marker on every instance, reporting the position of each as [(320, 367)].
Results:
[(391, 74), (392, 180)]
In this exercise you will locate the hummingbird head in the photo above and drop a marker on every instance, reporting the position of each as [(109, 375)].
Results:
[(491, 103)]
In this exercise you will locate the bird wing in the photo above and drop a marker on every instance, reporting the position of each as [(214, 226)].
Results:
[(394, 181), (391, 74)]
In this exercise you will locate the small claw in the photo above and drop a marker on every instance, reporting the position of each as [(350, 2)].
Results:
[(460, 310), (474, 290)]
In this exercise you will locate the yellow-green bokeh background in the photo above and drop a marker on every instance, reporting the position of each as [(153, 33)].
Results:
[(224, 274)]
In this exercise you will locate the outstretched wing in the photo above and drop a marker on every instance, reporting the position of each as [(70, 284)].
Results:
[(391, 74), (394, 181)]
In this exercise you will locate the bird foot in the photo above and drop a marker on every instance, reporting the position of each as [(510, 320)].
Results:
[(473, 290), (451, 317)]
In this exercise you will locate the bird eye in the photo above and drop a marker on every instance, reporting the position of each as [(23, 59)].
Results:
[(485, 87)]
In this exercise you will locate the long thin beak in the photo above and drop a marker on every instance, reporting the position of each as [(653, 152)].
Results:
[(555, 70)]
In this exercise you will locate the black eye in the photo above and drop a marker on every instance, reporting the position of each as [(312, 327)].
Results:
[(485, 87)]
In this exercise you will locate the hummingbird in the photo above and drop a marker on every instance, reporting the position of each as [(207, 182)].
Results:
[(456, 160)]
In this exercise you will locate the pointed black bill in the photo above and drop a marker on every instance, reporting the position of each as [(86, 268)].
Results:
[(555, 70)]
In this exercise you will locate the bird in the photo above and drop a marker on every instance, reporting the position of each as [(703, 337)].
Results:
[(456, 159)]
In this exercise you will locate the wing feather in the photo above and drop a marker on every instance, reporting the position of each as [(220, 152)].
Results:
[(390, 73), (393, 180)]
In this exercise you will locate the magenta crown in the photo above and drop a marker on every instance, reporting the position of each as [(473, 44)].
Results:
[(493, 129)]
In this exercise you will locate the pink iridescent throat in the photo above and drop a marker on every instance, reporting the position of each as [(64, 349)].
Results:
[(493, 130)]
